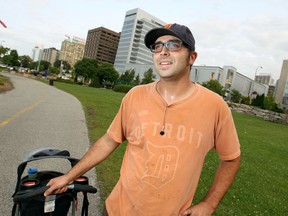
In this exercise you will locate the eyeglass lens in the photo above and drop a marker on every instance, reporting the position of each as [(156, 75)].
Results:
[(174, 45)]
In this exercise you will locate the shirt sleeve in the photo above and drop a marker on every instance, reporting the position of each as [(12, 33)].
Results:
[(226, 139), (115, 130), (118, 128)]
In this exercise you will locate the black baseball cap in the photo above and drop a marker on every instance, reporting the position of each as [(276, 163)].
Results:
[(180, 31)]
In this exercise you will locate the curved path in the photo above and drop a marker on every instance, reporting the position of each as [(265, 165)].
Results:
[(33, 116)]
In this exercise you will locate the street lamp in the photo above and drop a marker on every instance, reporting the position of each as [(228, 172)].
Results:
[(256, 72), (253, 83), (40, 55)]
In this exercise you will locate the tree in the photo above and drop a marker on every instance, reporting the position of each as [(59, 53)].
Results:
[(214, 86), (25, 61), (7, 59), (54, 70), (14, 58), (137, 80), (127, 77), (44, 65), (107, 72), (95, 82), (33, 65), (87, 68), (3, 51), (65, 64), (148, 77)]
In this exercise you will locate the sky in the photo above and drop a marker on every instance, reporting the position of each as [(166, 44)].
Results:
[(245, 34)]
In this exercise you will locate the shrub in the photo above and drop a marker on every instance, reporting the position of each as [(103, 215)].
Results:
[(245, 100), (214, 86), (95, 82), (235, 96), (68, 81), (259, 101), (122, 88)]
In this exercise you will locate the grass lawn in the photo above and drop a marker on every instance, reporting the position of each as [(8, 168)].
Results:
[(262, 183), (5, 83)]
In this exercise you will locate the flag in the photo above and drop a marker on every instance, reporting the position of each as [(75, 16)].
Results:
[(3, 24)]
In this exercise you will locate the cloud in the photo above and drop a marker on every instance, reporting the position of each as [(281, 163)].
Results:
[(244, 44), (237, 33)]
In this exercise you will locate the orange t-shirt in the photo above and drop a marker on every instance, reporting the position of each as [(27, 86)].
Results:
[(160, 173)]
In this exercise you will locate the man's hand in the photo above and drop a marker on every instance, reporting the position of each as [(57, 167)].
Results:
[(57, 185), (200, 209), (223, 179)]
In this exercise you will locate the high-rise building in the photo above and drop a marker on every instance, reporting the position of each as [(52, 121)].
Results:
[(282, 86), (50, 55), (71, 51), (35, 56), (102, 44), (131, 50)]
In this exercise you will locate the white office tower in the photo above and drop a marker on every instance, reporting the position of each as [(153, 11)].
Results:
[(282, 86), (131, 52), (36, 53)]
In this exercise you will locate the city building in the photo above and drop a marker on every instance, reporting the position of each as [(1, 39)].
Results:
[(132, 53), (72, 50), (282, 86), (102, 44), (50, 55), (229, 78), (271, 90), (265, 79), (35, 56)]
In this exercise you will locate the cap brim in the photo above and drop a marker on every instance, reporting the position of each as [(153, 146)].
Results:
[(153, 34)]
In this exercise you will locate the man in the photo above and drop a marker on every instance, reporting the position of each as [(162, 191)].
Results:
[(170, 126)]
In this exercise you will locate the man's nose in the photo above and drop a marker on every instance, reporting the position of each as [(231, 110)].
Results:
[(164, 51)]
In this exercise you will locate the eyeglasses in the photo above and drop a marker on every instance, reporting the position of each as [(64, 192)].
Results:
[(173, 45)]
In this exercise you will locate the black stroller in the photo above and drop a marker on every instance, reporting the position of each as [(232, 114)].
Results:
[(28, 197)]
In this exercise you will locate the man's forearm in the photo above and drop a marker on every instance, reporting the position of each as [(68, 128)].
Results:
[(224, 178), (96, 154)]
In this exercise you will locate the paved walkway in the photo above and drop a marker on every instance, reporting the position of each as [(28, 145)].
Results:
[(34, 116)]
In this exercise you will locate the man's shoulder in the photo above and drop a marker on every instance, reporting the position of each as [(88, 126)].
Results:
[(140, 92), (207, 91), (143, 88), (209, 95)]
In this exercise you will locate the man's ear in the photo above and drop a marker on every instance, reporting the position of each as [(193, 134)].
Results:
[(193, 57)]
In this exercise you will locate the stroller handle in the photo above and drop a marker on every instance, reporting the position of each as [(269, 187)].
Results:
[(82, 188), (28, 194)]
